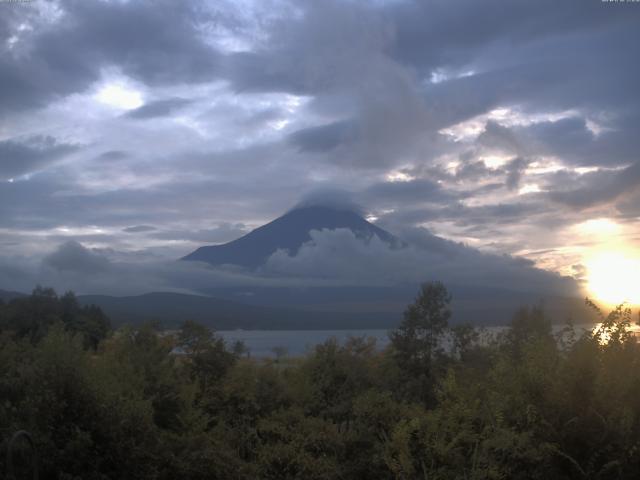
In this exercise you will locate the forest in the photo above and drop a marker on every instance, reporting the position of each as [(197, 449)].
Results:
[(140, 403)]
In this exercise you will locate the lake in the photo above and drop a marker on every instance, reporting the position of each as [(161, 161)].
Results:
[(261, 343)]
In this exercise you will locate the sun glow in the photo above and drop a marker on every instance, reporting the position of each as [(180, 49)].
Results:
[(119, 96), (599, 226), (614, 278)]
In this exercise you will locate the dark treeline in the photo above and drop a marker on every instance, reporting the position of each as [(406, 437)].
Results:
[(124, 404)]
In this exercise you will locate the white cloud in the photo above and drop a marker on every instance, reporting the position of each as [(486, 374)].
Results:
[(340, 256)]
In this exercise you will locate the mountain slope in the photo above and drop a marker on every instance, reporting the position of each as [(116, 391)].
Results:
[(288, 232)]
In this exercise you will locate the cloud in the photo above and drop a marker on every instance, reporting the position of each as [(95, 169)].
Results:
[(22, 156), (412, 191), (139, 229), (113, 155), (331, 258), (158, 108), (499, 137), (429, 35), (73, 257), (600, 187), (72, 266), (493, 217), (324, 138), (515, 169), (569, 138), (155, 42), (339, 255), (221, 233), (250, 104), (330, 197)]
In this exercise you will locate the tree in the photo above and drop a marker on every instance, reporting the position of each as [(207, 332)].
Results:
[(31, 317), (417, 340), (89, 320), (463, 337), (208, 359), (529, 326)]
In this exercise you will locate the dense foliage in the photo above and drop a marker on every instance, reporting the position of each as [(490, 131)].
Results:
[(138, 403)]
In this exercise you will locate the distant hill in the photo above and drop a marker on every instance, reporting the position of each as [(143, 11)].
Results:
[(288, 232), (322, 309), (329, 308), (6, 295), (171, 309), (477, 305)]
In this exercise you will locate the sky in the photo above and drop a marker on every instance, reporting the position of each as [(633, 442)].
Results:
[(135, 131)]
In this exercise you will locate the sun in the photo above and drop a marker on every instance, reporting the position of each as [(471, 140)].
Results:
[(614, 278)]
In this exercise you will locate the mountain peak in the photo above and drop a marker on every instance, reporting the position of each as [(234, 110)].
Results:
[(330, 199), (310, 207), (288, 232)]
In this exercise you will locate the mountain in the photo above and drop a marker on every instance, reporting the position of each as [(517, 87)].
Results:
[(288, 232), (299, 306), (304, 306)]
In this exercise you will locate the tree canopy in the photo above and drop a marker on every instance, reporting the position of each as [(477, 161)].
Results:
[(141, 403)]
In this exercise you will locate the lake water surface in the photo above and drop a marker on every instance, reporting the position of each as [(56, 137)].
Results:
[(262, 343)]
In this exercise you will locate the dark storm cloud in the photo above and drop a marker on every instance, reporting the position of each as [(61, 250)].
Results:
[(158, 108), (22, 156)]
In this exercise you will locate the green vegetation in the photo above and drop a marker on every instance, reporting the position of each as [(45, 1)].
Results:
[(138, 404)]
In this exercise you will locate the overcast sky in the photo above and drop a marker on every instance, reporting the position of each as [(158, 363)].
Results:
[(149, 128)]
